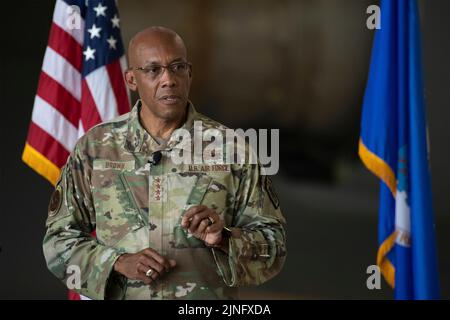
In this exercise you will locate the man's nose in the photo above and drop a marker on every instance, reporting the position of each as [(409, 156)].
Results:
[(168, 79)]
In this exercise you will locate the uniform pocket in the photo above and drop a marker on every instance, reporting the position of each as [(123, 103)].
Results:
[(117, 212), (194, 196), (211, 191), (199, 190)]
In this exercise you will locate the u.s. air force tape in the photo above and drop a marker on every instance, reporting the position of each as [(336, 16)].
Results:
[(55, 201)]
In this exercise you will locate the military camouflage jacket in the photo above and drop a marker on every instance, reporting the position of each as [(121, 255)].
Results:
[(108, 186)]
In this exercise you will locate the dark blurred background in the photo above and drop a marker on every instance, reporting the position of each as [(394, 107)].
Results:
[(296, 65)]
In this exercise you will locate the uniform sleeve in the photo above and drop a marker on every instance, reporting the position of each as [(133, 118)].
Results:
[(257, 247), (68, 245)]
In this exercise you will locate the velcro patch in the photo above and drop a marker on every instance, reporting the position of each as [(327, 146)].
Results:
[(209, 168), (55, 201), (114, 165)]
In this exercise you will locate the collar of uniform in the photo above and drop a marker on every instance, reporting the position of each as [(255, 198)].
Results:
[(139, 140)]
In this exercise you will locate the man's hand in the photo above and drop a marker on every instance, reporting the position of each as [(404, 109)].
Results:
[(135, 266), (204, 224)]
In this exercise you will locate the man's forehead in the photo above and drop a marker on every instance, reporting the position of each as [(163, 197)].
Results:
[(163, 52), (165, 60)]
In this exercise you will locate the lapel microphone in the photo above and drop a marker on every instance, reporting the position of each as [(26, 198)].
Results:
[(155, 158)]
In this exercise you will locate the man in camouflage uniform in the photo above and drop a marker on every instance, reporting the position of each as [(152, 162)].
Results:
[(163, 230)]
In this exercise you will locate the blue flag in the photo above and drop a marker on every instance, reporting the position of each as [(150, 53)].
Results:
[(393, 145)]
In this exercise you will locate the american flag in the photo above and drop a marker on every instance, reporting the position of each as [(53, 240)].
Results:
[(80, 84)]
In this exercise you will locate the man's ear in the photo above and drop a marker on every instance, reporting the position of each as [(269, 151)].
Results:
[(130, 80), (190, 71)]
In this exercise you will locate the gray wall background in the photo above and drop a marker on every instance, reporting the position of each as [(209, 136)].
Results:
[(299, 66)]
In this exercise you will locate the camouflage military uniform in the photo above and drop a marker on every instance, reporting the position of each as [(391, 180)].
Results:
[(107, 185)]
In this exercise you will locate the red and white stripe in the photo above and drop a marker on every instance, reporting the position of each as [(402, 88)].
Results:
[(66, 104)]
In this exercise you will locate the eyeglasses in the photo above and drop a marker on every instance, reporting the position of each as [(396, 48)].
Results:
[(155, 70)]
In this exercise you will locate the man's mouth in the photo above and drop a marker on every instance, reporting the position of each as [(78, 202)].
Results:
[(170, 99)]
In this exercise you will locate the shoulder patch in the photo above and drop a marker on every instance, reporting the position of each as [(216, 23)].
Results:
[(55, 201), (267, 185)]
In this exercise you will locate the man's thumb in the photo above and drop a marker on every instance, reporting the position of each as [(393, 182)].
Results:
[(172, 263)]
